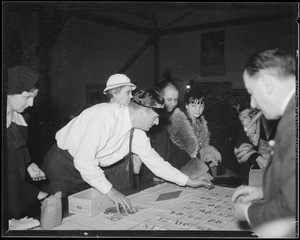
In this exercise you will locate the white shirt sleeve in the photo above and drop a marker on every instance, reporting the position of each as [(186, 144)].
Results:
[(142, 147), (95, 128)]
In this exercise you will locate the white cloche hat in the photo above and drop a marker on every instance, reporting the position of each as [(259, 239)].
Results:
[(118, 80)]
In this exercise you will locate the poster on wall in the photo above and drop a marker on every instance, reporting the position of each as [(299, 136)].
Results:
[(212, 53)]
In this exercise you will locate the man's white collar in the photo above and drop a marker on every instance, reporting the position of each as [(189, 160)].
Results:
[(286, 100)]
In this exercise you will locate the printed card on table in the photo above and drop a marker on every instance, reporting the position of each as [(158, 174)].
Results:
[(169, 195)]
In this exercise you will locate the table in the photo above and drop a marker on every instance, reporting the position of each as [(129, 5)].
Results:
[(193, 212)]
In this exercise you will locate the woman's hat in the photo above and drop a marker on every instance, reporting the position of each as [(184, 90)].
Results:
[(20, 79), (118, 80)]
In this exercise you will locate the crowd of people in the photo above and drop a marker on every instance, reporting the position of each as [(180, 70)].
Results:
[(147, 133)]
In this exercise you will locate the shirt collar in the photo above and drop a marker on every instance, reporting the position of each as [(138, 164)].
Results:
[(286, 100), (16, 118)]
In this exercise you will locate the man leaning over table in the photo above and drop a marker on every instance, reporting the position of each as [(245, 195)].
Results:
[(99, 137)]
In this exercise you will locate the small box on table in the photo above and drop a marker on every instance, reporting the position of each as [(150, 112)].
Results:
[(255, 177), (89, 202)]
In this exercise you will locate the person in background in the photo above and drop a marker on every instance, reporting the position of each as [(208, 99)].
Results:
[(222, 121), (232, 106), (270, 79), (189, 132), (119, 90), (159, 136), (252, 149), (23, 197), (101, 136)]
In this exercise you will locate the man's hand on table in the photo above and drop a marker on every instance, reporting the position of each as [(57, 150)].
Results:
[(202, 181), (120, 201), (243, 197), (247, 194)]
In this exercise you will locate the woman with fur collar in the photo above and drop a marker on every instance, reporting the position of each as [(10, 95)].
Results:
[(188, 131)]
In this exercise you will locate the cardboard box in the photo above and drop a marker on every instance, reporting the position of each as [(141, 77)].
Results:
[(89, 202), (255, 177)]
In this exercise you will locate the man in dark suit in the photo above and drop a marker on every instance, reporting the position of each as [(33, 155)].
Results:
[(269, 77)]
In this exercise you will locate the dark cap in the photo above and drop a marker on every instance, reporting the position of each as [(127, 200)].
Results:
[(20, 79), (151, 99)]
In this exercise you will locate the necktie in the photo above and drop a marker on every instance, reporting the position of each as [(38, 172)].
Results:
[(130, 171)]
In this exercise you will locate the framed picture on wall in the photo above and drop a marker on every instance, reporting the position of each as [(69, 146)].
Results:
[(212, 53)]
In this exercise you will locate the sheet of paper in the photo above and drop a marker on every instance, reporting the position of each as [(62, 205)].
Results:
[(169, 195), (166, 207)]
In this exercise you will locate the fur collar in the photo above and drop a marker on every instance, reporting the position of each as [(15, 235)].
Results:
[(181, 133)]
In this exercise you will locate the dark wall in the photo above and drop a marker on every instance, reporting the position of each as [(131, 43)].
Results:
[(88, 53), (75, 57)]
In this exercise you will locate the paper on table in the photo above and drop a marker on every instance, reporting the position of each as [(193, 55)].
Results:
[(23, 224), (185, 209), (169, 195), (146, 214)]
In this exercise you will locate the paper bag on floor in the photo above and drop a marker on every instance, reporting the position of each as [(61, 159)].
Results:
[(51, 211)]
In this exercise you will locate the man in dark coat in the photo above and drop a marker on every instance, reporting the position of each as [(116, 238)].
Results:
[(269, 78)]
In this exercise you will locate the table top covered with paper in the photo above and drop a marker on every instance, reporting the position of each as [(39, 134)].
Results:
[(165, 207)]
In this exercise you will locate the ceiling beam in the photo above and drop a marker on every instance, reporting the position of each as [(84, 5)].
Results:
[(111, 21), (147, 17), (228, 23), (136, 55)]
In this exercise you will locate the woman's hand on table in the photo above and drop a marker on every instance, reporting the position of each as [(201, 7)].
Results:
[(120, 201)]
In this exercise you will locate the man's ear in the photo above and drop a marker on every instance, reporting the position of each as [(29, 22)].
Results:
[(268, 83)]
